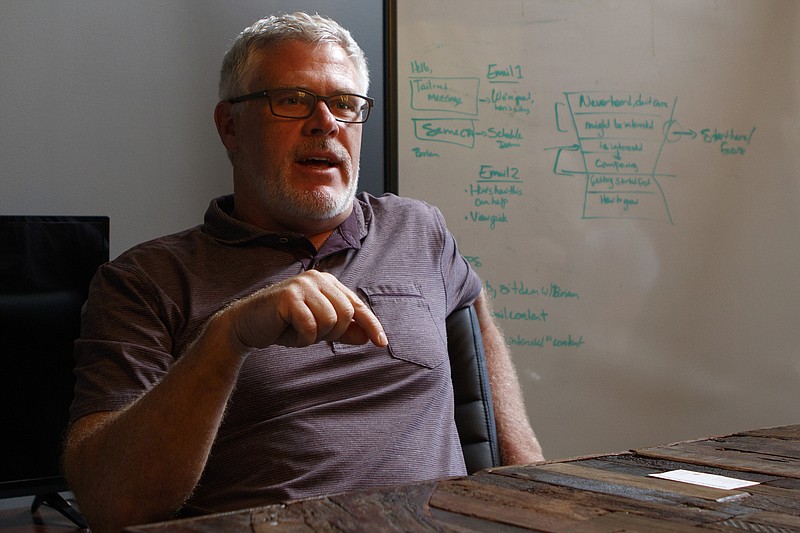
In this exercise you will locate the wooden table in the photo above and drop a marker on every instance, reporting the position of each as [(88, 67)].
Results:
[(598, 494)]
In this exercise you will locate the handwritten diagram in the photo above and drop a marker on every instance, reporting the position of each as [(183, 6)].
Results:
[(460, 96), (620, 138), (445, 113), (617, 140)]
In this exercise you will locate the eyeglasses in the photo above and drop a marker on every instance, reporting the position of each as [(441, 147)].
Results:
[(298, 103)]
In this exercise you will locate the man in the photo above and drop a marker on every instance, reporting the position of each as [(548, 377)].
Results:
[(292, 345)]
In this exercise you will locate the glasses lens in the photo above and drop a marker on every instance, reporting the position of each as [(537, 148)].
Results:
[(295, 103), (349, 107), (291, 103)]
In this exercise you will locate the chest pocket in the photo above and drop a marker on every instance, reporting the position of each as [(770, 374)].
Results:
[(412, 331)]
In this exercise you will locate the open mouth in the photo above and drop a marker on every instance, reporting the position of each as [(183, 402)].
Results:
[(320, 162)]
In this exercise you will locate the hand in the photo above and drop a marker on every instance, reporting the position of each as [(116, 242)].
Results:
[(311, 307)]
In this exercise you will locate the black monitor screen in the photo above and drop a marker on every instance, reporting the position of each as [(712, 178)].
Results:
[(46, 263)]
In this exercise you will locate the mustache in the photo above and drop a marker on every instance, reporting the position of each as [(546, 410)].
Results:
[(320, 145)]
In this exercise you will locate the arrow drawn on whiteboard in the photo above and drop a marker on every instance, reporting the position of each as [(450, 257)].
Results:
[(674, 131)]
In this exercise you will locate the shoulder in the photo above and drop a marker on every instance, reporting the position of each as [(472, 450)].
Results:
[(392, 200), (389, 208), (161, 248), (157, 259)]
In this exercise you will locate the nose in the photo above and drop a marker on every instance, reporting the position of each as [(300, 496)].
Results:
[(321, 122)]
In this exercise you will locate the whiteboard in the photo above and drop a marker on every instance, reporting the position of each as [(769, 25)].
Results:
[(624, 175)]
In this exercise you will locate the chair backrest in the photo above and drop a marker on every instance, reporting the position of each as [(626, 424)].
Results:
[(473, 398)]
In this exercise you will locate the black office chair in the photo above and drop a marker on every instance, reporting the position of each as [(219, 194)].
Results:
[(473, 398)]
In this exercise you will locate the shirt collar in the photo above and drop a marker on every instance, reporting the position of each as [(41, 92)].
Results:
[(223, 227)]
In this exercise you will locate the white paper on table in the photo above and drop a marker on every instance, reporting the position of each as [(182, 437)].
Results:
[(705, 480)]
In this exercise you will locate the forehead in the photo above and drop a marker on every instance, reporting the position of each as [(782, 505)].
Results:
[(308, 65)]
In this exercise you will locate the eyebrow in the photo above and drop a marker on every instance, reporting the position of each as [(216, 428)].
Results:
[(307, 89)]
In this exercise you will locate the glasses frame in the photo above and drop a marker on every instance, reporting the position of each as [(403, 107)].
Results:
[(267, 93)]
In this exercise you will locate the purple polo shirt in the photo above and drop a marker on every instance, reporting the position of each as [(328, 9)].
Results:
[(302, 421)]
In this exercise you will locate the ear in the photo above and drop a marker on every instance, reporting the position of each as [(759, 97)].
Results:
[(226, 126)]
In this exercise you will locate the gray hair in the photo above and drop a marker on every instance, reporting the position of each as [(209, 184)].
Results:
[(276, 29)]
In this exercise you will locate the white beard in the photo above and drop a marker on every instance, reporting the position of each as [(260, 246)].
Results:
[(278, 195)]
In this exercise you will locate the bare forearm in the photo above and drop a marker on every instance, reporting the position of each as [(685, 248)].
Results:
[(140, 464), (518, 443)]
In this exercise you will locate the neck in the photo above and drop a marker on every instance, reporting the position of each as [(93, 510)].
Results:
[(319, 239)]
